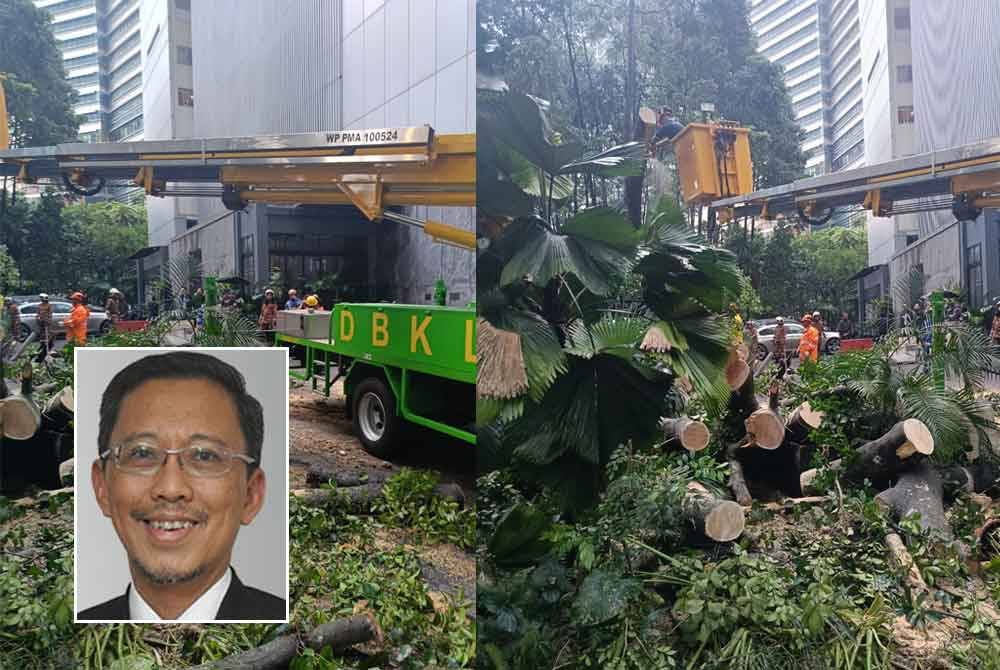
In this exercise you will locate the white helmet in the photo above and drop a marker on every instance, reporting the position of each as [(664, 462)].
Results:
[(114, 291), (780, 319)]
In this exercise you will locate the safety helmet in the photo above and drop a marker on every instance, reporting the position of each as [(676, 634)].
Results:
[(292, 291), (312, 301), (114, 291), (77, 296), (780, 319), (44, 297), (271, 291), (817, 315)]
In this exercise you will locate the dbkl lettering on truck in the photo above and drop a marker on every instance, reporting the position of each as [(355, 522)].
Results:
[(380, 329), (346, 326), (418, 334), (470, 339)]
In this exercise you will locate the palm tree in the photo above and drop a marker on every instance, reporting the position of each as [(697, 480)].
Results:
[(585, 322)]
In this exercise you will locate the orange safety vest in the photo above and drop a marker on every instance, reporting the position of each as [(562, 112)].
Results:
[(76, 324), (809, 344)]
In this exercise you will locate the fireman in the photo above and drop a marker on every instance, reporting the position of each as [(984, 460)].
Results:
[(113, 305), (809, 344), (44, 319), (76, 324), (14, 317)]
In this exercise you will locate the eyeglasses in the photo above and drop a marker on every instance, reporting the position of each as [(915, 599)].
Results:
[(198, 460)]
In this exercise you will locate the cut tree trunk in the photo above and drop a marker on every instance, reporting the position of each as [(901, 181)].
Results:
[(690, 434), (278, 653), (318, 476), (803, 420), (737, 372), (344, 633), (21, 418), (882, 458), (717, 519), (58, 411), (66, 472), (360, 498), (918, 490), (765, 429)]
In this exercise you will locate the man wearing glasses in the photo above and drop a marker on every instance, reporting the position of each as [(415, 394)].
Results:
[(178, 473)]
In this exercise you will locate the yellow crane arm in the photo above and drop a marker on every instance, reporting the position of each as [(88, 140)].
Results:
[(4, 128)]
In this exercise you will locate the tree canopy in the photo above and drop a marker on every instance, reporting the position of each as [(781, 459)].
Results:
[(575, 53), (39, 99)]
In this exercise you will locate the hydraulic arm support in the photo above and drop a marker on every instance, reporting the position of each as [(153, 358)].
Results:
[(370, 169)]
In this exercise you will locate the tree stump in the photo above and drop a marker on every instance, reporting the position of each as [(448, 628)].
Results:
[(690, 434), (886, 456), (801, 421), (717, 519), (21, 418), (765, 429)]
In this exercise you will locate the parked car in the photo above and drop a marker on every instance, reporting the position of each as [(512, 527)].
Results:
[(793, 333), (98, 323)]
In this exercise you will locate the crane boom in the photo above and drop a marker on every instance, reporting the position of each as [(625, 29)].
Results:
[(965, 179), (371, 169)]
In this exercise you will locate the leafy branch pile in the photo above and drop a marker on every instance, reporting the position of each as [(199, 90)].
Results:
[(589, 553)]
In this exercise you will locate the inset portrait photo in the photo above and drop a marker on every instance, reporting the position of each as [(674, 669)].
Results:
[(182, 484)]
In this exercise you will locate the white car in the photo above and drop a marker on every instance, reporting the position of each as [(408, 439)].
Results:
[(793, 333), (98, 323)]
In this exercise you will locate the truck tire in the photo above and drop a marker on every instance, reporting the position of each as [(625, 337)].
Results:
[(376, 422)]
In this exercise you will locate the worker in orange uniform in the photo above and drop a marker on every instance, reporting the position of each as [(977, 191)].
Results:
[(76, 324), (809, 344)]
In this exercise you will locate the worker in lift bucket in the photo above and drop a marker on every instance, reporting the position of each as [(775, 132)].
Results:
[(294, 301), (667, 126)]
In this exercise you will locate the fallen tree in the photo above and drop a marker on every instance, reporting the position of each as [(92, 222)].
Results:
[(278, 653), (918, 491), (360, 498)]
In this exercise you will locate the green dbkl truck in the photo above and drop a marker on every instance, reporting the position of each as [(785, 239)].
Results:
[(400, 363)]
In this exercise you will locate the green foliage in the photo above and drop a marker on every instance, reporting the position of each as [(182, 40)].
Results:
[(798, 273), (9, 274), (39, 99), (408, 500)]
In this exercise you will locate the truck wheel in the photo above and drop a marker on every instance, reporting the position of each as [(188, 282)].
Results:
[(375, 420)]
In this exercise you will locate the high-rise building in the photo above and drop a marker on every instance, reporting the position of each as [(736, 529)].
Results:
[(75, 24), (99, 40), (817, 43)]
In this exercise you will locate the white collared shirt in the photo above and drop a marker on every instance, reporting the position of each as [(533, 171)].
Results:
[(205, 608)]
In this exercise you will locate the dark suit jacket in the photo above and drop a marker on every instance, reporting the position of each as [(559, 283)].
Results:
[(240, 603)]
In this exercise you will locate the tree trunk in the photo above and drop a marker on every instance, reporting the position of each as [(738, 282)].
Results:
[(886, 456), (803, 420), (719, 520), (765, 429), (66, 472), (918, 490), (900, 557), (58, 411), (737, 480), (737, 372), (278, 653), (360, 498), (343, 633), (975, 478), (690, 434), (21, 418), (580, 117), (318, 476)]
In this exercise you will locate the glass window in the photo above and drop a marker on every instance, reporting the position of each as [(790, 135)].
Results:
[(184, 4), (904, 114), (61, 308), (184, 55), (765, 331), (29, 309), (185, 97), (904, 73), (794, 328)]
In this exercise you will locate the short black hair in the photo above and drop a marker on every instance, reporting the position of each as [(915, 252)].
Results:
[(185, 365)]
